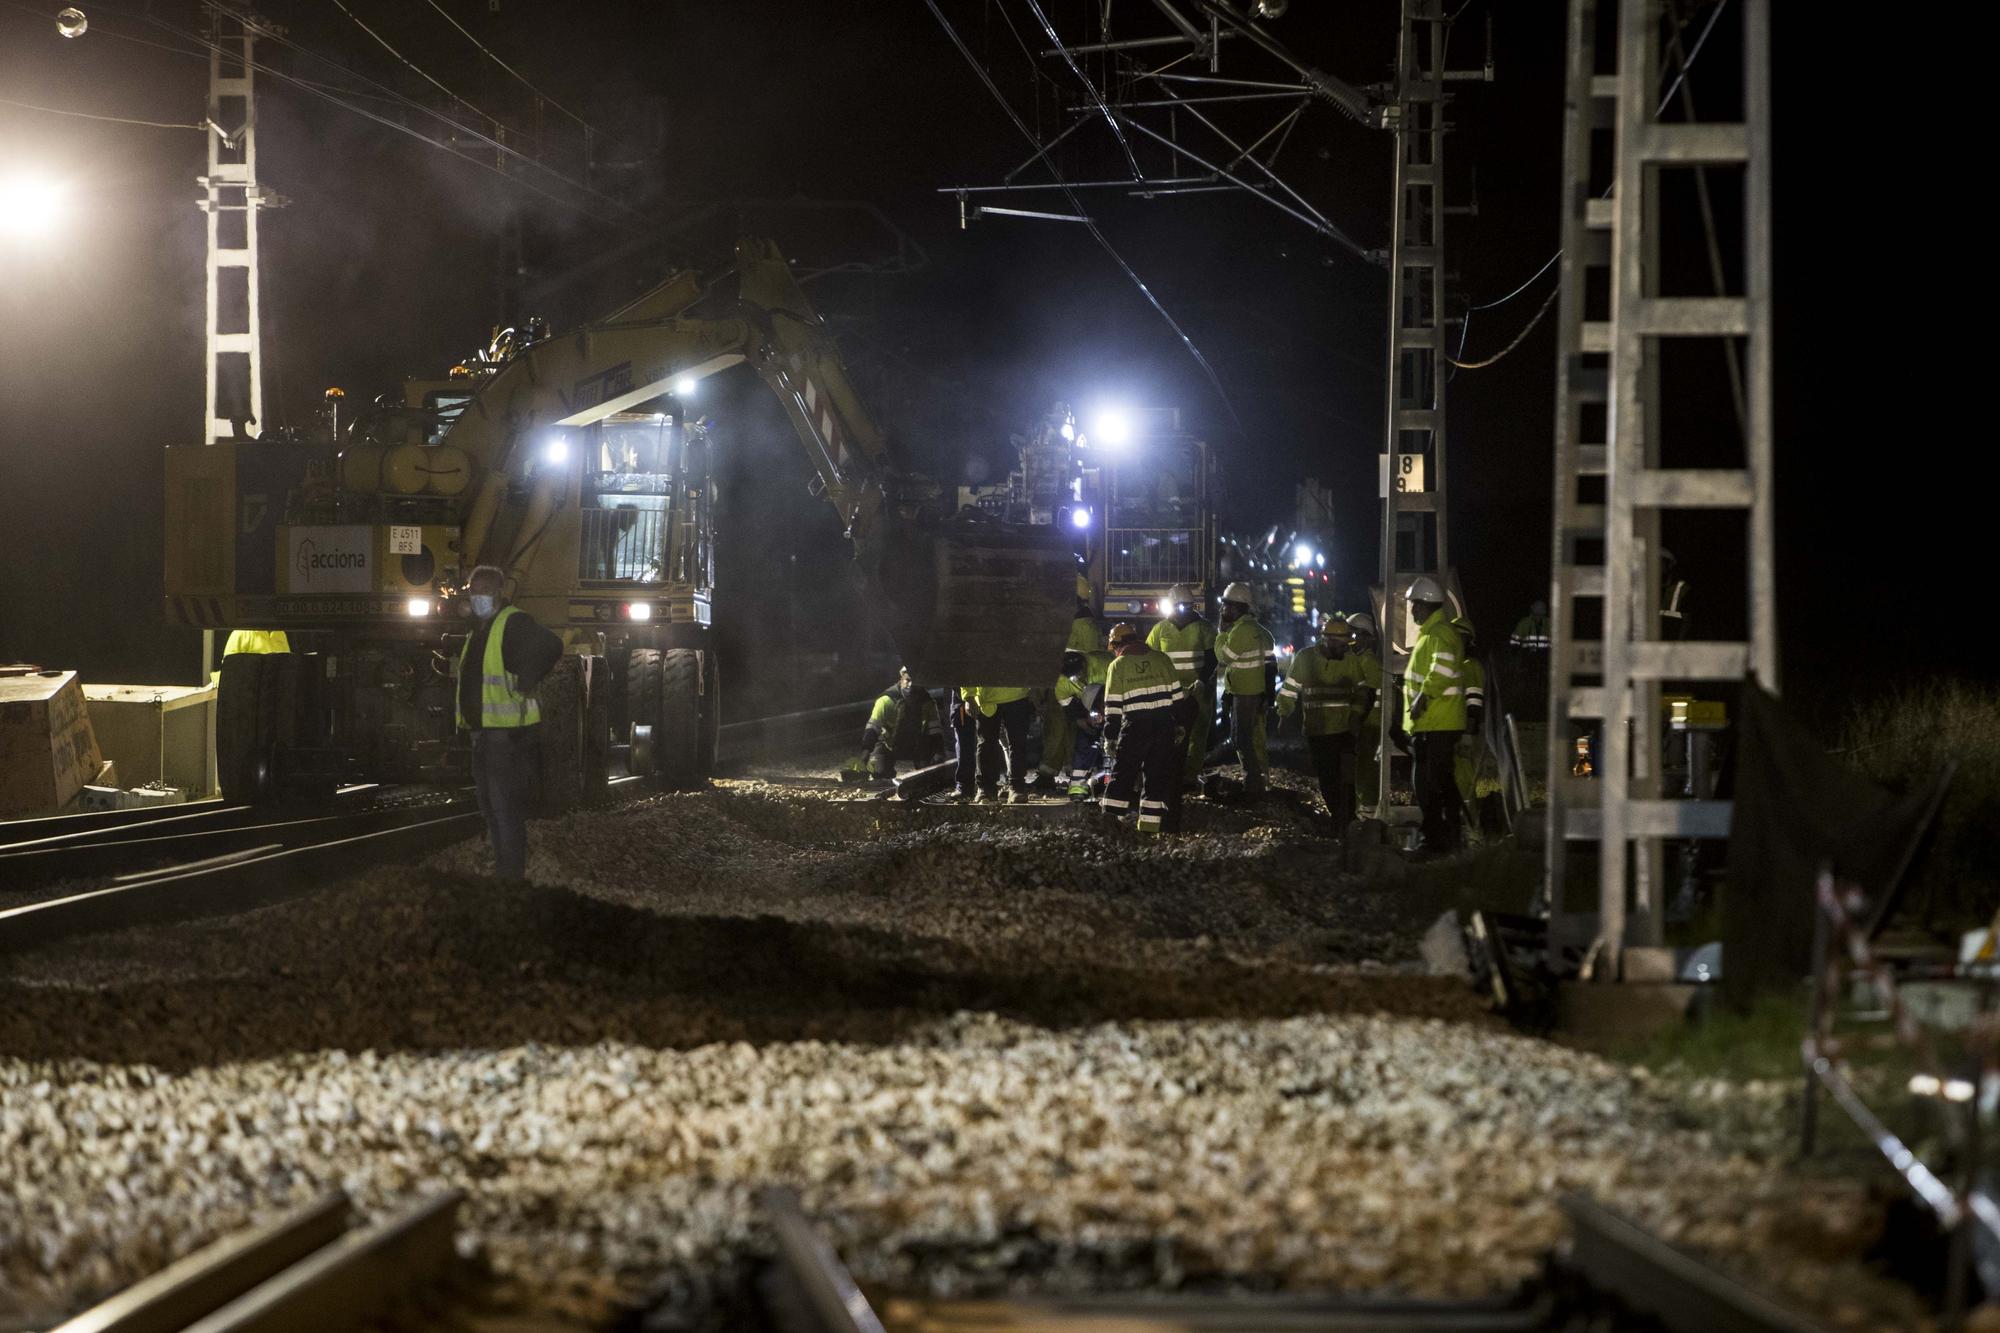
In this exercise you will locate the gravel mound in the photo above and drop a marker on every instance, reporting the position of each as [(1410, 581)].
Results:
[(992, 1048)]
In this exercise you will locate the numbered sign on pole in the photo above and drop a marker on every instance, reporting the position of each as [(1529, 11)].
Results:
[(1409, 473)]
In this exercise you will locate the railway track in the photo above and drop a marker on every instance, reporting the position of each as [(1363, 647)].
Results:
[(212, 857), (316, 1268)]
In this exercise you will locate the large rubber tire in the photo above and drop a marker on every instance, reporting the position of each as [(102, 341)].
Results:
[(677, 738), (642, 710), (561, 733), (711, 713), (597, 727), (242, 735)]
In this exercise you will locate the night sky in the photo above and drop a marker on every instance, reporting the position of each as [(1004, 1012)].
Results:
[(386, 263)]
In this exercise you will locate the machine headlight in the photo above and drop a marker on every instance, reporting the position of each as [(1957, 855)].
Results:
[(640, 611), (417, 606)]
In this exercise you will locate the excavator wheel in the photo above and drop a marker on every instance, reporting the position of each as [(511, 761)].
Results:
[(561, 732), (642, 711), (975, 602), (677, 735), (254, 693), (711, 712)]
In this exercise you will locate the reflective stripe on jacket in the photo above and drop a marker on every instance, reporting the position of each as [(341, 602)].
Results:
[(1241, 651), (1185, 646), (1328, 688), (1436, 672), (501, 702), (1141, 685), (1531, 632)]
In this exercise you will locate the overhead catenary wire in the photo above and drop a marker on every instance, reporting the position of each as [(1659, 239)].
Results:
[(1090, 225), (1518, 338), (116, 120), (483, 50)]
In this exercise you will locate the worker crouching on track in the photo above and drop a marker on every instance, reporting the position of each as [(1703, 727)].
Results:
[(1146, 713), (1434, 713), (904, 724), (1079, 692), (1247, 655), (1325, 684), (1189, 643), (496, 703)]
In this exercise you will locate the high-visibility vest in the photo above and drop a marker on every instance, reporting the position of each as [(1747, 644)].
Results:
[(1184, 645), (1328, 688), (1531, 631), (886, 719), (256, 641), (501, 702), (1242, 651), (1140, 686), (988, 698), (1083, 636), (1436, 672)]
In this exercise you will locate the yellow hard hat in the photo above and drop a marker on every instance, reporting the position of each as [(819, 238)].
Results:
[(1122, 633), (1336, 630)]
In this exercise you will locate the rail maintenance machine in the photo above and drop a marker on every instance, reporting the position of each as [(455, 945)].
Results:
[(569, 462)]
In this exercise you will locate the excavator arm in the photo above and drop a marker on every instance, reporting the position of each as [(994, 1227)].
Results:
[(968, 601)]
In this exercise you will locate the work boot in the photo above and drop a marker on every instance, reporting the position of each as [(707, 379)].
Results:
[(963, 796), (1079, 791), (987, 796), (1019, 795)]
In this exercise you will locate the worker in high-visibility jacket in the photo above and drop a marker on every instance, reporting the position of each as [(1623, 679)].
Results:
[(1079, 691), (988, 718), (1434, 712), (1189, 644), (505, 656), (1323, 683), (1145, 716), (1246, 656), (1472, 746), (1366, 654), (904, 724), (1531, 632), (1058, 729), (253, 641)]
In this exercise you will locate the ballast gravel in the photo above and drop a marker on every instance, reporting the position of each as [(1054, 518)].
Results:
[(992, 1048)]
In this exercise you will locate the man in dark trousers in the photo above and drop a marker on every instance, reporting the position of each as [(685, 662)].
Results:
[(506, 654)]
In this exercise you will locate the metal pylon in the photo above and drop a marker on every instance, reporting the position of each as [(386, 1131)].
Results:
[(1609, 658), (1413, 519), (230, 192)]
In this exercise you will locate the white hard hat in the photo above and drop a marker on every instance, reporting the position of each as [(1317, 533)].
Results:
[(1180, 594), (1362, 622), (1424, 588), (1238, 592)]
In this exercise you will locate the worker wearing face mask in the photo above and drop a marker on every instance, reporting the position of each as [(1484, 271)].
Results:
[(505, 656)]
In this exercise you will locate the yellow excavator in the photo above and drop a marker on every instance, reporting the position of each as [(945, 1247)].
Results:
[(571, 462)]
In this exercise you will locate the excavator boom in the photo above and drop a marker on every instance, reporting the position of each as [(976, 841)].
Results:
[(967, 601)]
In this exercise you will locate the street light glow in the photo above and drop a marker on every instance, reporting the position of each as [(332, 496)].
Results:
[(684, 387), (30, 206)]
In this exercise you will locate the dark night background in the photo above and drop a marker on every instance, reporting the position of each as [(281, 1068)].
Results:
[(386, 263)]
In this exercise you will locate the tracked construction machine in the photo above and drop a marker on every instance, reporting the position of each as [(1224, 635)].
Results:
[(571, 462)]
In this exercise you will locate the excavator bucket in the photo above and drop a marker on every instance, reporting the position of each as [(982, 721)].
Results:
[(979, 603)]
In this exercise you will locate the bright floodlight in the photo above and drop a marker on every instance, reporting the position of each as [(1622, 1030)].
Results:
[(556, 451), (30, 206), (684, 386), (71, 22), (1068, 431), (1112, 426), (1319, 558), (1079, 518), (1302, 554), (418, 606), (639, 611)]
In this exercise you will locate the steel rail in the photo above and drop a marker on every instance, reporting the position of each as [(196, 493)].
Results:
[(303, 1270), (42, 826), (1654, 1278), (232, 885), (830, 1292)]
